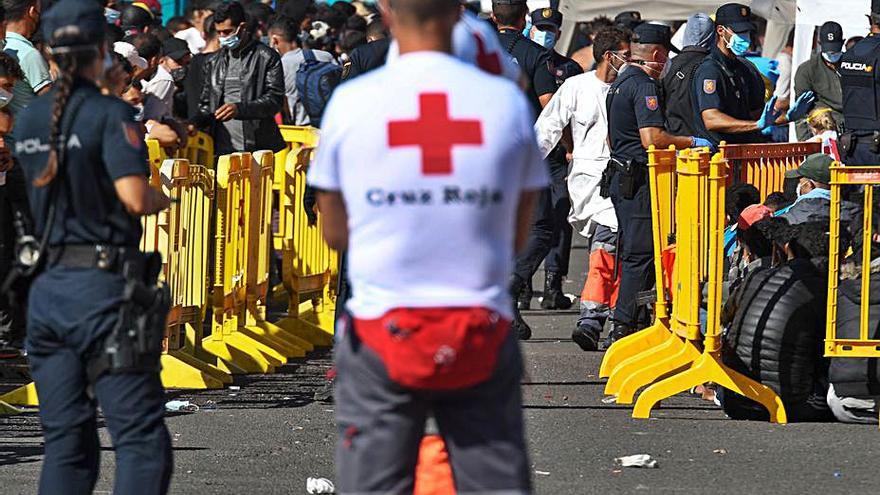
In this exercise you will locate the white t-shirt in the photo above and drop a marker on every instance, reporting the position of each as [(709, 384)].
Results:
[(159, 95), (475, 42), (442, 238)]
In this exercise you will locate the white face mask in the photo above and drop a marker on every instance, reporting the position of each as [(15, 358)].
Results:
[(798, 190), (5, 98)]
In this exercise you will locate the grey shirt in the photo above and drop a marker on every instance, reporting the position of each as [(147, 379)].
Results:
[(232, 94), (291, 62)]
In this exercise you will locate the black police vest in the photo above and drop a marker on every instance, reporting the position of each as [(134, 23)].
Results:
[(858, 80), (678, 90)]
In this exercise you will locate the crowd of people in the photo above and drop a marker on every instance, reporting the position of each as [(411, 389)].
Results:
[(561, 142)]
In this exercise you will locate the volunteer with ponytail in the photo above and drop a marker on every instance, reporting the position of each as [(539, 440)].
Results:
[(86, 167), (730, 103)]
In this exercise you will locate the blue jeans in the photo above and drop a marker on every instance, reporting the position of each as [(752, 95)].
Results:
[(69, 312)]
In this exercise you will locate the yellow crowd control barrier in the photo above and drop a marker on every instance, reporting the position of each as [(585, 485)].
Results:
[(686, 363), (866, 345), (661, 180), (310, 266), (199, 149), (764, 165)]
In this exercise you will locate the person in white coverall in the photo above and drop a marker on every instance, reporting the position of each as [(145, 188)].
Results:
[(580, 103)]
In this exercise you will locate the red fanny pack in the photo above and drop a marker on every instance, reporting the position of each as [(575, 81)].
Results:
[(436, 349)]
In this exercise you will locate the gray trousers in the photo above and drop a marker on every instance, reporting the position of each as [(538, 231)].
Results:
[(381, 424)]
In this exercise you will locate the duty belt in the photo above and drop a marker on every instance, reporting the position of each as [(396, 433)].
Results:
[(100, 256)]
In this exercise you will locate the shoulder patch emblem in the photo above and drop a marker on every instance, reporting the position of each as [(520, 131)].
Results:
[(709, 86), (651, 102), (133, 134)]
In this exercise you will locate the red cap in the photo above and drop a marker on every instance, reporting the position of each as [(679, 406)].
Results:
[(752, 215)]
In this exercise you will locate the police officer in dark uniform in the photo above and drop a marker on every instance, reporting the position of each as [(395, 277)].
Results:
[(95, 316), (534, 60), (546, 26), (730, 92), (635, 121), (860, 142)]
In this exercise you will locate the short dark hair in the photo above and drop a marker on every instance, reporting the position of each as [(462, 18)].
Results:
[(351, 40), (811, 241), (9, 67), (739, 196), (776, 201), (148, 45), (209, 28), (232, 11), (356, 23), (16, 9), (178, 23), (376, 29), (344, 8), (509, 14), (755, 238), (286, 27), (609, 40)]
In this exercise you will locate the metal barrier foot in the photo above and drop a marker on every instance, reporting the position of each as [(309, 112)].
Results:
[(632, 345), (238, 355), (652, 372), (669, 348), (25, 395), (708, 368), (8, 410), (180, 370), (275, 341), (306, 330), (279, 332)]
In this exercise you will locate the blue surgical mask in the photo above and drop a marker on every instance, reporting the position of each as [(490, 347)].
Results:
[(832, 57), (547, 39), (231, 41), (739, 44), (112, 15), (264, 40), (528, 28)]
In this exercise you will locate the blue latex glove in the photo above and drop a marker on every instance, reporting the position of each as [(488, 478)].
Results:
[(767, 131), (698, 142), (801, 107), (770, 114)]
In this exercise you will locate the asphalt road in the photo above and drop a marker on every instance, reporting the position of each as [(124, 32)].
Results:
[(270, 435)]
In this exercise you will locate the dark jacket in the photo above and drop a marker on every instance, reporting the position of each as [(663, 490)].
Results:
[(777, 337), (678, 91), (262, 96), (856, 377), (813, 75)]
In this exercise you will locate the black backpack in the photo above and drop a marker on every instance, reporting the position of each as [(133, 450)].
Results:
[(315, 82), (678, 91)]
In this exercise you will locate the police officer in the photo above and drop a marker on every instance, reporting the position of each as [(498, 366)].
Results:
[(546, 25), (729, 90), (635, 120), (860, 143), (534, 60), (86, 167)]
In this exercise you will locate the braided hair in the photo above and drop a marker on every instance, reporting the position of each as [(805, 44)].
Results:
[(69, 64)]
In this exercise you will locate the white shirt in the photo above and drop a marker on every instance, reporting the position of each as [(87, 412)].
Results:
[(158, 95), (475, 41), (429, 240), (194, 39), (580, 102), (783, 83)]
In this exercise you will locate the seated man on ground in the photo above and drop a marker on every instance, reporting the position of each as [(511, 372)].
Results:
[(777, 334)]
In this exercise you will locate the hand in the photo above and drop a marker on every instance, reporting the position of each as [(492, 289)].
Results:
[(161, 202), (165, 134), (802, 106), (767, 131), (227, 112), (769, 116), (698, 142)]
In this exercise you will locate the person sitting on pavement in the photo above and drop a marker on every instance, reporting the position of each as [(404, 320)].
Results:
[(813, 201), (777, 334), (855, 382)]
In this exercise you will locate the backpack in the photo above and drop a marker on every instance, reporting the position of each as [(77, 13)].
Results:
[(678, 93), (315, 82)]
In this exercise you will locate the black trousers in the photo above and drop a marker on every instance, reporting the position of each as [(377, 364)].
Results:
[(636, 253), (558, 257)]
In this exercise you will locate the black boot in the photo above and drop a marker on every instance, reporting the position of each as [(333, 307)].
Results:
[(521, 291), (586, 337), (618, 331), (554, 298), (522, 329)]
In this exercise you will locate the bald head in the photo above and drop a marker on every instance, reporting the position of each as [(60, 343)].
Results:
[(421, 25)]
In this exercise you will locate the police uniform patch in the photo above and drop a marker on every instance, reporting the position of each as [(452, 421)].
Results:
[(709, 86), (651, 102), (133, 134)]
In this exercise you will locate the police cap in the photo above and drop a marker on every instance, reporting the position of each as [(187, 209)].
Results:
[(72, 23), (736, 16), (548, 17), (654, 34), (629, 19), (508, 2)]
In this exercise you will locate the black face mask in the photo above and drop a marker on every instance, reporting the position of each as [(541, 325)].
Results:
[(178, 74)]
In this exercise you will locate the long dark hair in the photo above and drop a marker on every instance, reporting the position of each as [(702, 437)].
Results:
[(69, 63)]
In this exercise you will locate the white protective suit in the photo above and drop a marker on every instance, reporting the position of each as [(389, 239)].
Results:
[(580, 101)]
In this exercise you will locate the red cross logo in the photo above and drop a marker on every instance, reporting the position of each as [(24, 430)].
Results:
[(435, 133), (486, 60)]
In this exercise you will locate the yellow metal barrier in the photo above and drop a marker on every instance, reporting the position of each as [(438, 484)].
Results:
[(764, 165), (700, 257), (309, 264), (866, 345), (199, 149), (661, 180)]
